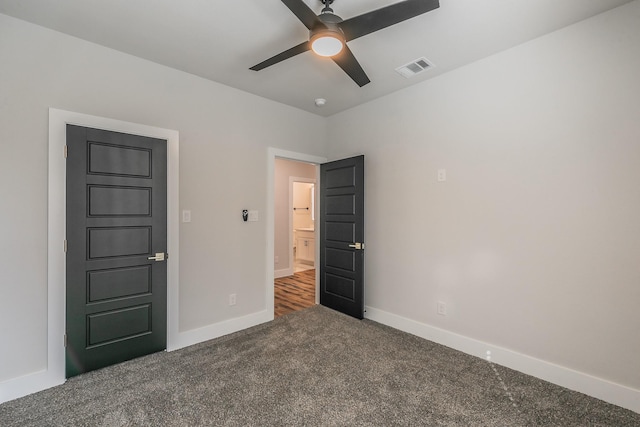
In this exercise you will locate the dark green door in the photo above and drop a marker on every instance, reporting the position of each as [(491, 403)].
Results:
[(116, 207), (342, 236)]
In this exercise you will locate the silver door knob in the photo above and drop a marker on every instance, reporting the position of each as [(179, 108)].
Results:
[(158, 257), (357, 246)]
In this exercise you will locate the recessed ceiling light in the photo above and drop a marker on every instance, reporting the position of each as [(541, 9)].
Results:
[(320, 102)]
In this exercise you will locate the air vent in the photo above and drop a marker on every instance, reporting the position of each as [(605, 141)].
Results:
[(415, 67)]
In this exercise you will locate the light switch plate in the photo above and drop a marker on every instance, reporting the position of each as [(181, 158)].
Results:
[(253, 216), (186, 216)]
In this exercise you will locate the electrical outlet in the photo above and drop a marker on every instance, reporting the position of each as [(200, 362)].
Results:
[(442, 175), (442, 308), (232, 299)]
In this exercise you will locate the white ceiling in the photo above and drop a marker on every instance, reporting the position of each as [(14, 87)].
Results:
[(220, 39)]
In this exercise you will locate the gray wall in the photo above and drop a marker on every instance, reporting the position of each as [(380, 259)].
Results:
[(533, 241), (224, 135)]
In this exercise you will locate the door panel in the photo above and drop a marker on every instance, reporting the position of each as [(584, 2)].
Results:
[(117, 160), (114, 201), (119, 324), (118, 283), (340, 286), (118, 242), (341, 204), (342, 226), (116, 298), (337, 177), (340, 258), (340, 232)]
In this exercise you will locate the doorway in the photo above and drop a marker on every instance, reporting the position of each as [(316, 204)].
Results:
[(302, 194), (340, 222), (294, 235), (58, 120)]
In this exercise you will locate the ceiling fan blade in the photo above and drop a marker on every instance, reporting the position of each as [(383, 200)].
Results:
[(368, 23), (296, 50), (303, 12), (351, 66)]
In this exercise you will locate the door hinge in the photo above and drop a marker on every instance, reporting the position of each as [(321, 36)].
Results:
[(65, 246), (65, 340), (66, 149)]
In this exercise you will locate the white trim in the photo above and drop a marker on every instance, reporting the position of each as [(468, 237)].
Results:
[(209, 332), (27, 384), (292, 261), (54, 373), (285, 272), (617, 394), (272, 153)]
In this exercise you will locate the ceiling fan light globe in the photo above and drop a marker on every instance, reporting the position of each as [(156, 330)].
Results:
[(327, 45)]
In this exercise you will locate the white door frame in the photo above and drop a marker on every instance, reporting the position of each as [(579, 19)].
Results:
[(292, 180), (272, 154), (58, 119)]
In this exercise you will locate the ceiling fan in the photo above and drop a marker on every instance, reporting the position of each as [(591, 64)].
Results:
[(329, 34)]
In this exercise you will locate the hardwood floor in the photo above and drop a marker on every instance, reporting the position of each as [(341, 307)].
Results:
[(295, 292)]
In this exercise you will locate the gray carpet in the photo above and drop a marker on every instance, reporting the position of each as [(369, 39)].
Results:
[(311, 368)]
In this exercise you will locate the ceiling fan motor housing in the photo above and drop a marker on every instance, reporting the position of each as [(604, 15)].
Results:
[(330, 27), (329, 18)]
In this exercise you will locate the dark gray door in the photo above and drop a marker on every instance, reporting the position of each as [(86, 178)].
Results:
[(342, 236), (116, 298)]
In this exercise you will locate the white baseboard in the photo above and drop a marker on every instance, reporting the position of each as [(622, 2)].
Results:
[(196, 336), (617, 394), (42, 380), (27, 384), (283, 273)]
